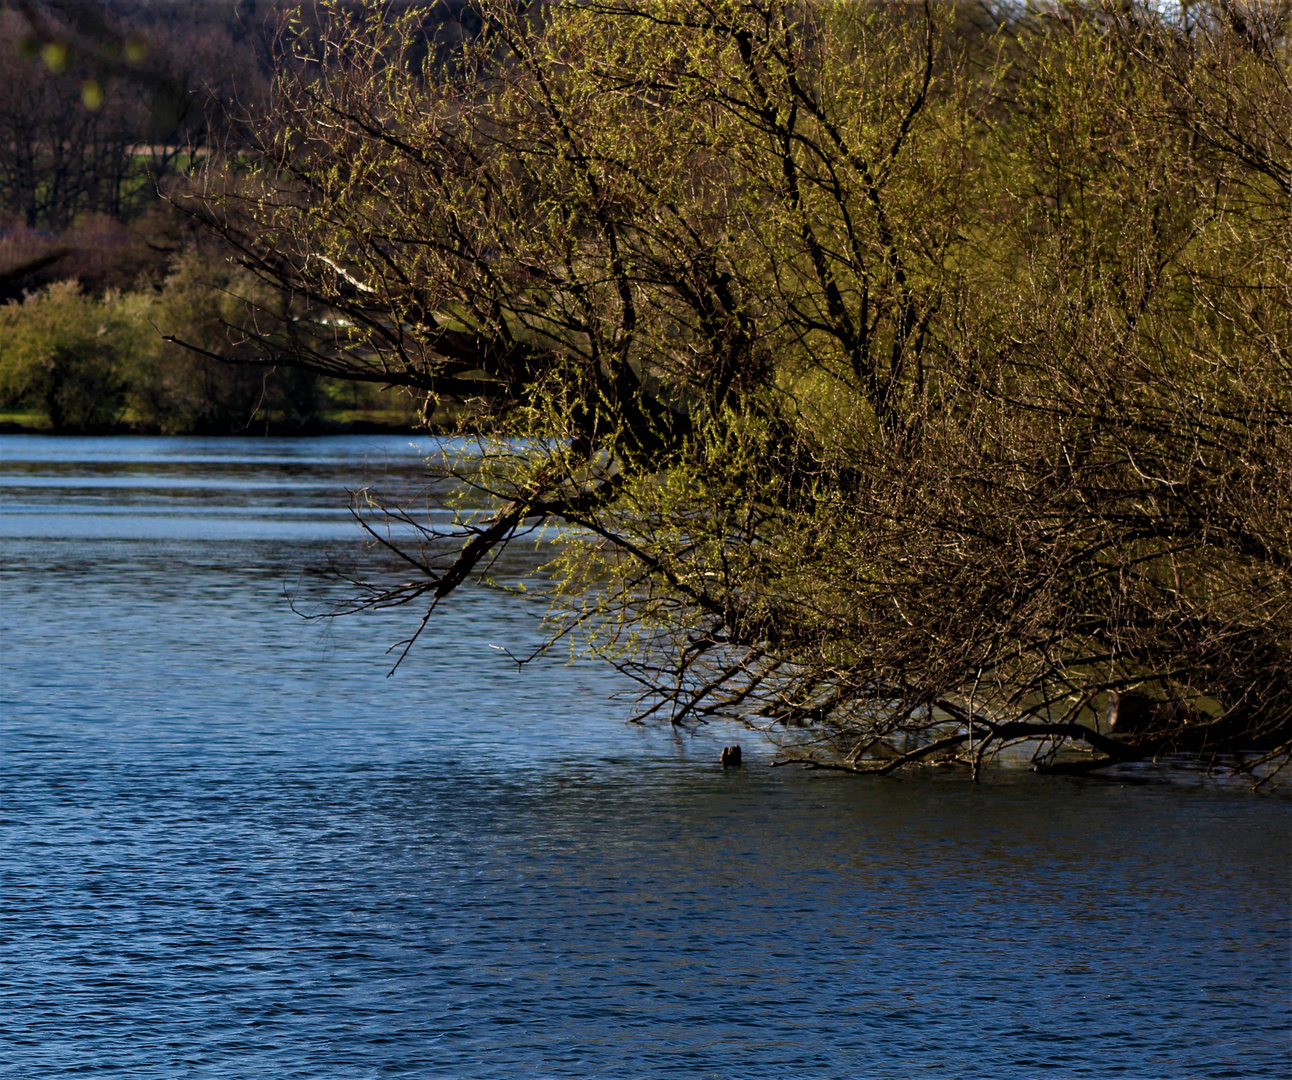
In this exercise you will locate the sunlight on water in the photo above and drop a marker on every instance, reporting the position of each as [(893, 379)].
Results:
[(231, 846)]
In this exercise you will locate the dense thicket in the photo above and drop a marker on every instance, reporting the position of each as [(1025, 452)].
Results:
[(916, 378)]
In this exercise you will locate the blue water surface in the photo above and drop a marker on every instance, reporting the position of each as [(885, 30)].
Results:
[(231, 846)]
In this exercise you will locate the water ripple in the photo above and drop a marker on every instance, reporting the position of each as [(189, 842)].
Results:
[(231, 847)]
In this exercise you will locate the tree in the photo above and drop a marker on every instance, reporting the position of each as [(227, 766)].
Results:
[(64, 352), (99, 102), (911, 378)]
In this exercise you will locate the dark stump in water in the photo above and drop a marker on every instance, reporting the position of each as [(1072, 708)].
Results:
[(730, 756)]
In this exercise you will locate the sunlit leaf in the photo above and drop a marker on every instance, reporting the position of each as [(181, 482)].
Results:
[(57, 55), (92, 95)]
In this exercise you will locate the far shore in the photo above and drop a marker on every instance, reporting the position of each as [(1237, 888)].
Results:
[(272, 430)]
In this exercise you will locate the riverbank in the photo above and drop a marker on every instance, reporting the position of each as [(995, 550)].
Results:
[(329, 424)]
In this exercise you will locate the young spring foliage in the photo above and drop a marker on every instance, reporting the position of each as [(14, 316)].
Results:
[(912, 377)]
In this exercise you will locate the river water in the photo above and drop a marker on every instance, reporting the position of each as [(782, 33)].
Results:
[(231, 846)]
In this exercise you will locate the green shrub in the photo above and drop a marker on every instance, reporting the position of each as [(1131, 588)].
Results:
[(67, 353), (94, 364)]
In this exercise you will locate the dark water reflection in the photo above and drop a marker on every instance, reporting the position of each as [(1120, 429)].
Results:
[(230, 846)]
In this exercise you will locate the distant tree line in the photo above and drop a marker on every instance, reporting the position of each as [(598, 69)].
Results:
[(101, 102), (105, 111)]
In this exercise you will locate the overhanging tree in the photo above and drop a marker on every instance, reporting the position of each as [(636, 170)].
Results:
[(905, 377)]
